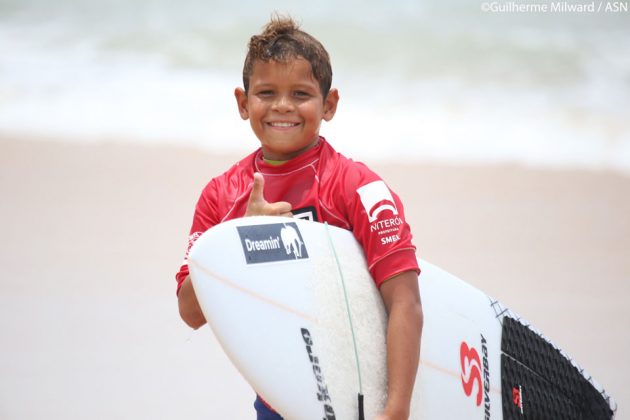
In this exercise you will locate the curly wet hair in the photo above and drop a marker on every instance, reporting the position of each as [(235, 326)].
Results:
[(282, 40)]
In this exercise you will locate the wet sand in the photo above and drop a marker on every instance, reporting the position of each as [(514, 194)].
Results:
[(92, 235)]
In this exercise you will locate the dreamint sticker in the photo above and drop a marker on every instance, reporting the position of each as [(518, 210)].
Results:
[(272, 242)]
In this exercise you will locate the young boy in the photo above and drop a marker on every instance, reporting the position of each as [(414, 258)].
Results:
[(287, 78)]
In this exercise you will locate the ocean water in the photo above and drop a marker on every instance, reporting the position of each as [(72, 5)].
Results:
[(419, 80)]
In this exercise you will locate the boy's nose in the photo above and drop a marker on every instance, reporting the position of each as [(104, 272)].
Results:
[(282, 104)]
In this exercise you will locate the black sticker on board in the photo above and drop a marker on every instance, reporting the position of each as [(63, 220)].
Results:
[(272, 242)]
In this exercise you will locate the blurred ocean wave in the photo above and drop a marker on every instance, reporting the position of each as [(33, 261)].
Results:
[(436, 81)]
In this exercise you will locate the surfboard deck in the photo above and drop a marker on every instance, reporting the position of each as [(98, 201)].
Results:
[(296, 311)]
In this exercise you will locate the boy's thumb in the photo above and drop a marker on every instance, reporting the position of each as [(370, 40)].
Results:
[(258, 187)]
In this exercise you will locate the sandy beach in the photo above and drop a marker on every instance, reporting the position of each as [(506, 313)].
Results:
[(92, 235)]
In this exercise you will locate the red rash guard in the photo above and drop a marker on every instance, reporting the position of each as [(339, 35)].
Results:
[(324, 186)]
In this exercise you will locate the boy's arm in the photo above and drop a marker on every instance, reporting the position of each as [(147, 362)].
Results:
[(404, 329), (189, 308)]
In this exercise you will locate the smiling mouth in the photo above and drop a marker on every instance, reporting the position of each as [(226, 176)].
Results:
[(283, 124)]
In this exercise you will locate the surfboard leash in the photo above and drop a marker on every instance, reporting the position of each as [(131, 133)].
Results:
[(354, 340)]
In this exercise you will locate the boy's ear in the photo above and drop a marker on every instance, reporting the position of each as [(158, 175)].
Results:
[(330, 104), (241, 101)]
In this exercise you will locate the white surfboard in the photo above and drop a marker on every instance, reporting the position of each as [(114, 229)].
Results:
[(296, 311)]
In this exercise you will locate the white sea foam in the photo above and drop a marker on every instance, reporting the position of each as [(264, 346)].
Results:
[(418, 80)]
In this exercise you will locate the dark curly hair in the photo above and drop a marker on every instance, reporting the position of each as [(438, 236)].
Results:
[(282, 40)]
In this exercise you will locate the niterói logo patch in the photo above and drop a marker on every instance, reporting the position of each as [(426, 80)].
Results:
[(272, 242), (376, 198)]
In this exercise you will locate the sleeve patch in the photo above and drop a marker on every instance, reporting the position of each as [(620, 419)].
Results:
[(376, 198)]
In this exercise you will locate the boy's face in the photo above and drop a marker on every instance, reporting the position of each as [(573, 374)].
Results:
[(285, 107)]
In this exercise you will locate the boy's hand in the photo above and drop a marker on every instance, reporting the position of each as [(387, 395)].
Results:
[(258, 206)]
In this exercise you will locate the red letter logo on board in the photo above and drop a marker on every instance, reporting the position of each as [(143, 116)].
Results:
[(471, 370)]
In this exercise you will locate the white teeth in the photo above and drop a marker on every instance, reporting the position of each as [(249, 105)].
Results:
[(282, 124)]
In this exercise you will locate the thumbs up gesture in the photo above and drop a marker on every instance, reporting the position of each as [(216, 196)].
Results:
[(258, 206)]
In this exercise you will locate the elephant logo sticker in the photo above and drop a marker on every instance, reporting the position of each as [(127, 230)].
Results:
[(291, 240)]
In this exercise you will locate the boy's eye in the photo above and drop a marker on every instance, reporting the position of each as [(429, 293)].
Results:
[(265, 93), (301, 94)]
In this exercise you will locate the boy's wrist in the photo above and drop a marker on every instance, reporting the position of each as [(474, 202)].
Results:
[(396, 408), (395, 411)]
